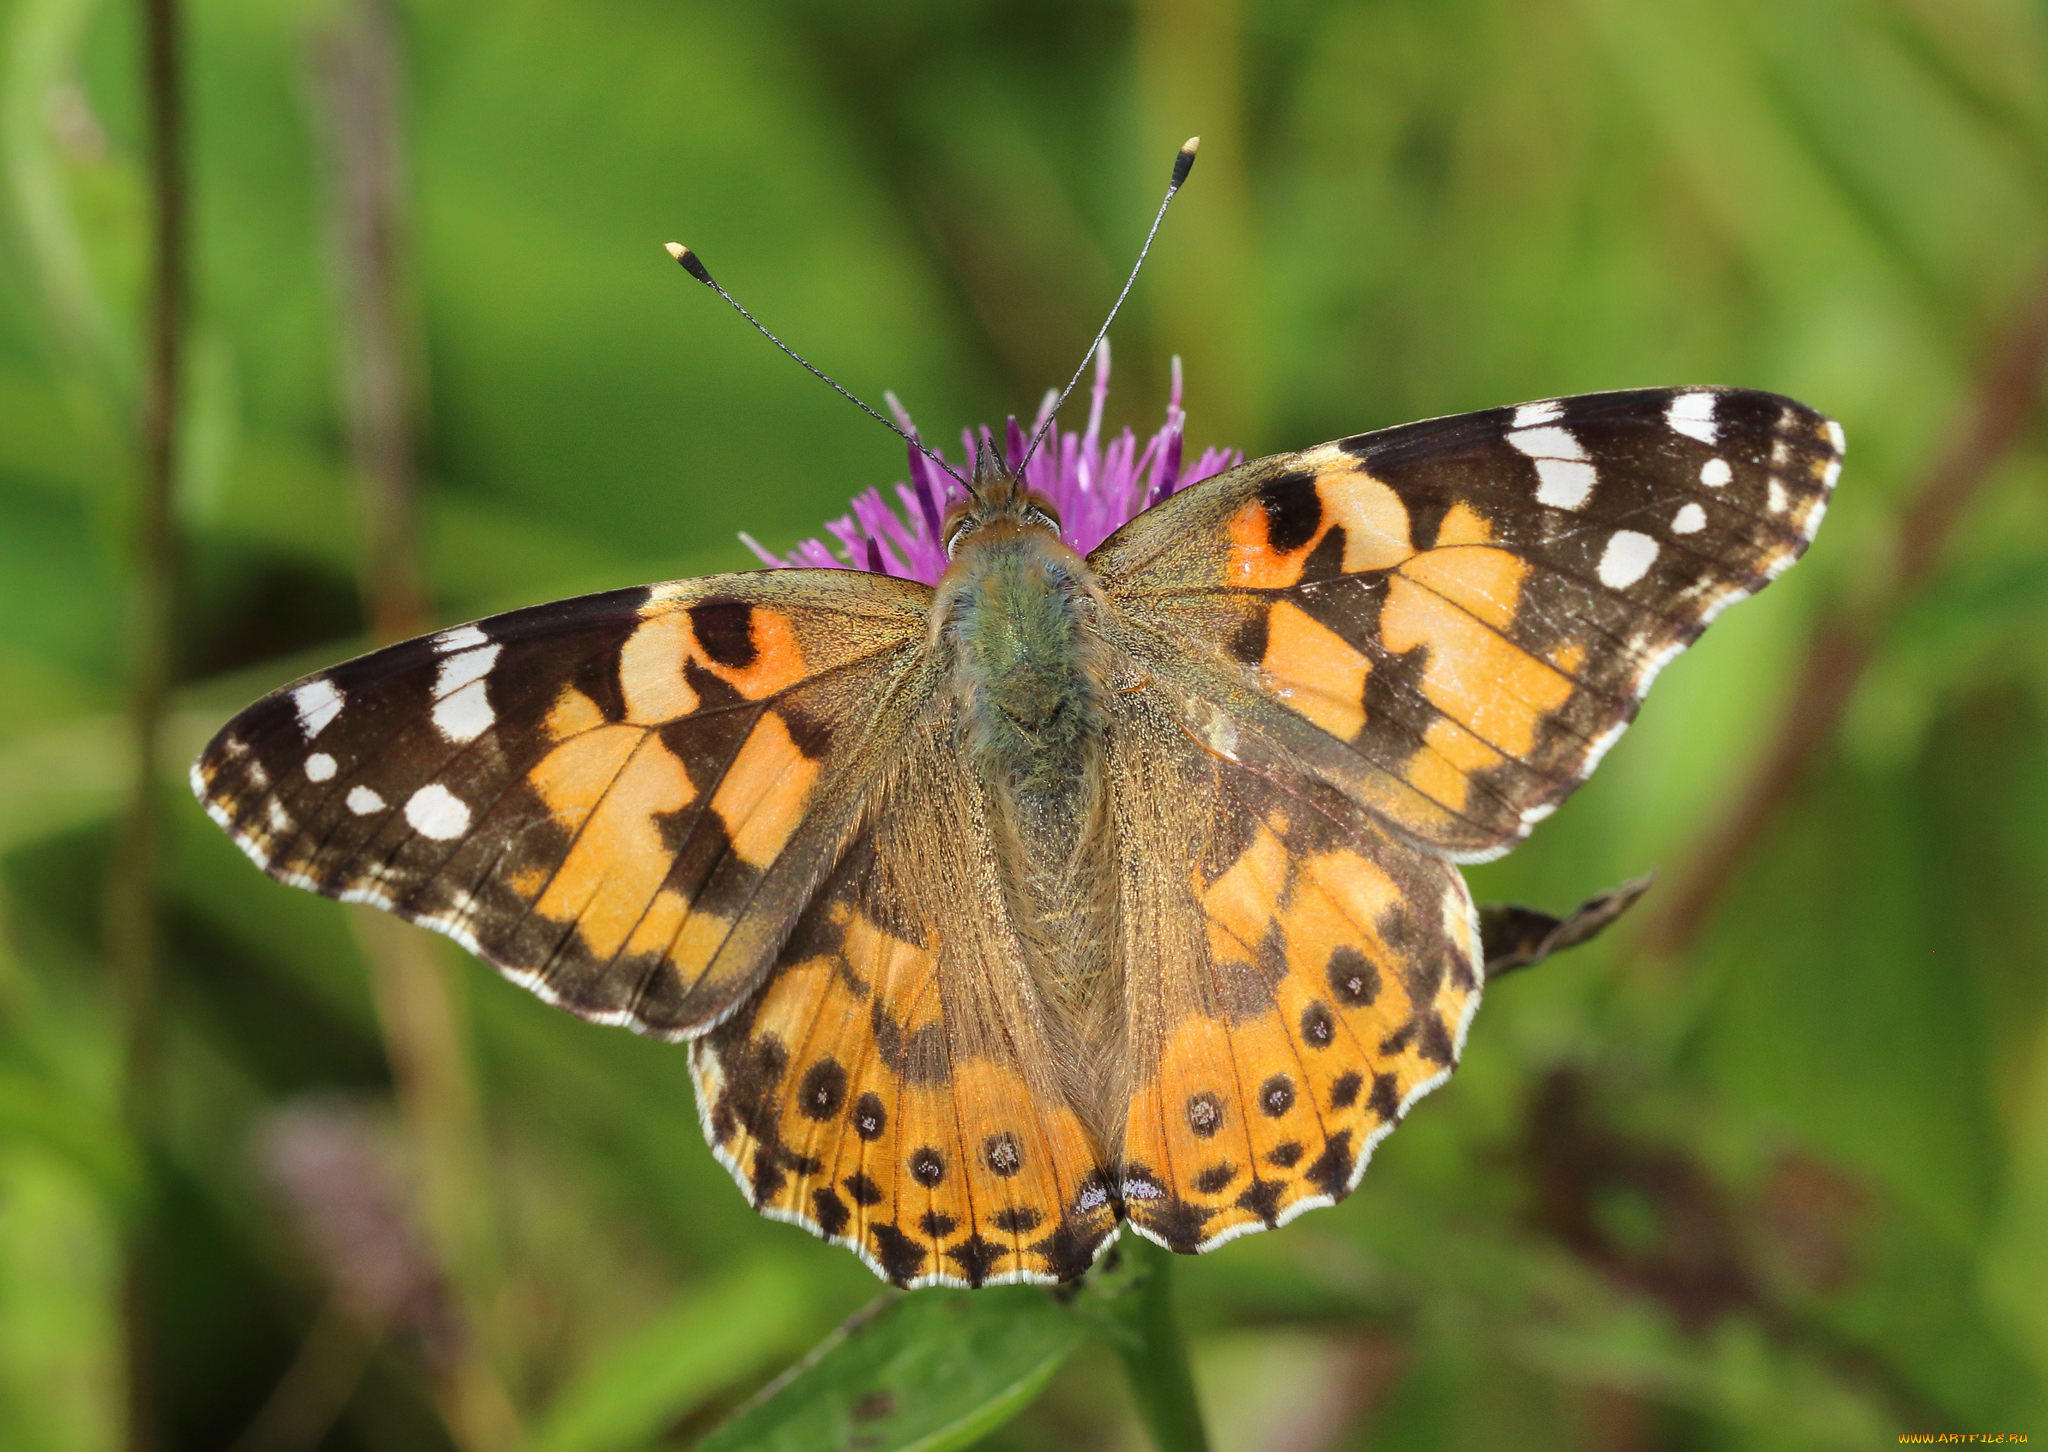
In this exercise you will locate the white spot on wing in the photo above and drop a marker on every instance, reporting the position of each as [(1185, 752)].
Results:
[(462, 637), (1564, 476), (1626, 559), (1775, 497), (465, 715), (1715, 473), (434, 811), (1690, 519), (1835, 436), (1692, 414), (1529, 415), (1548, 443), (462, 710), (363, 801), (319, 767), (1564, 483), (318, 703)]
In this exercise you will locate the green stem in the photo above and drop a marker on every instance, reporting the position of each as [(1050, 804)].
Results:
[(1155, 1356), (133, 945)]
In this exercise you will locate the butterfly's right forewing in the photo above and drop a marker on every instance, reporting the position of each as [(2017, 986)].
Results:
[(1454, 619)]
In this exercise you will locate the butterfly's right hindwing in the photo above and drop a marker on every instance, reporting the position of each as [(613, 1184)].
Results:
[(621, 801)]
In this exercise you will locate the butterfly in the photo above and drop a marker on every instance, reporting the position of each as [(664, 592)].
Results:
[(1071, 891)]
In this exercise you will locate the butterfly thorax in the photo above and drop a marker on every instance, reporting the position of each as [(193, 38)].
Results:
[(1018, 615)]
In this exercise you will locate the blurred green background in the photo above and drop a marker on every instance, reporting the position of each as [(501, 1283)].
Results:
[(1766, 1167)]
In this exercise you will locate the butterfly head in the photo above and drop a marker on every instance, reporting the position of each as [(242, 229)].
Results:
[(998, 505)]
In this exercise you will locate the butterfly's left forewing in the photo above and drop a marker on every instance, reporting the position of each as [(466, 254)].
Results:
[(621, 801)]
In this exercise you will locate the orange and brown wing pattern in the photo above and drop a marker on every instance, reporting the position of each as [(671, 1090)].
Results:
[(1290, 992), (891, 1087), (621, 801), (1473, 607)]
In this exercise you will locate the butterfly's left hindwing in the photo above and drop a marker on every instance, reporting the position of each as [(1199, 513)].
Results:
[(1453, 620), (621, 801)]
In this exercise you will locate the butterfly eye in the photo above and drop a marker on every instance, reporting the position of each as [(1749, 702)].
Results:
[(1043, 515), (958, 531)]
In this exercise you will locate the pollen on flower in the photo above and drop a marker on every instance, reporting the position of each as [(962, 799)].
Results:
[(1094, 487)]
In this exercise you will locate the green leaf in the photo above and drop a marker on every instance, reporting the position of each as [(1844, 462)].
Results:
[(926, 1371)]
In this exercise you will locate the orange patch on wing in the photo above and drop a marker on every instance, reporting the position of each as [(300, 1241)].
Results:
[(1487, 582), (1024, 1155), (651, 670), (903, 975), (761, 799), (574, 777), (778, 661), (1239, 904), (1375, 521), (1360, 1029), (816, 1018), (1255, 562), (1569, 656), (809, 1012), (1463, 525), (658, 928), (1315, 670), (1480, 679), (1443, 768), (1355, 885), (611, 874), (701, 935), (572, 714), (1279, 1105), (1190, 1117)]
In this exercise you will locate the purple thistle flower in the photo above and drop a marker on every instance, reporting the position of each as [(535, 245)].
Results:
[(1094, 488)]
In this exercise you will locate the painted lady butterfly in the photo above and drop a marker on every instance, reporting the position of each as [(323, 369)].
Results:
[(1070, 891)]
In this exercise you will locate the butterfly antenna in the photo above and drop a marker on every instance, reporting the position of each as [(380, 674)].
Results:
[(1183, 163), (694, 265)]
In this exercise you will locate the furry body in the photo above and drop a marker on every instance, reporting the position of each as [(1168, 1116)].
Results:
[(1018, 615)]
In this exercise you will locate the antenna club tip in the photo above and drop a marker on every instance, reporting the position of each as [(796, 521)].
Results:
[(1184, 159), (692, 264)]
